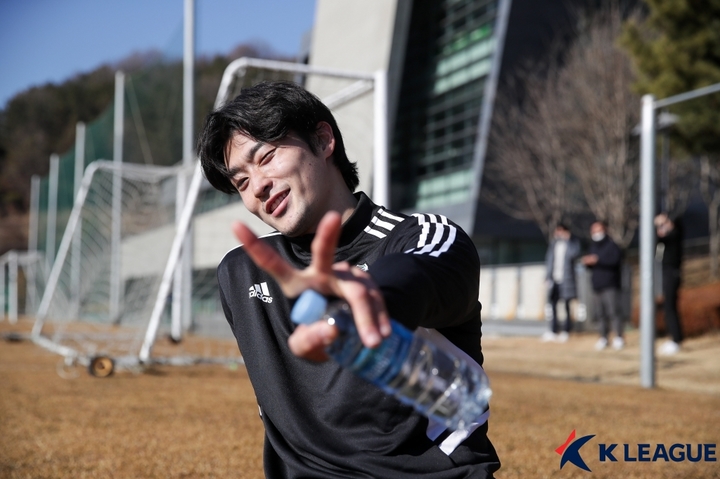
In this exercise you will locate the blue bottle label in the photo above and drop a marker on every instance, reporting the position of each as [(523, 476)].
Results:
[(382, 364)]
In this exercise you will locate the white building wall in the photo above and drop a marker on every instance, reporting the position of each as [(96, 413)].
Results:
[(212, 236), (146, 254), (353, 35), (513, 292)]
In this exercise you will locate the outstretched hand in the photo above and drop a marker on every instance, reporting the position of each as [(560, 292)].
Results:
[(328, 278)]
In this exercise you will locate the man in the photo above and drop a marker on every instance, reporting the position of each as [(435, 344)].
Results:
[(669, 236), (560, 279), (604, 260), (280, 148)]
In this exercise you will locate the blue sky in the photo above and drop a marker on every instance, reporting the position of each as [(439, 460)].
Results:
[(45, 41)]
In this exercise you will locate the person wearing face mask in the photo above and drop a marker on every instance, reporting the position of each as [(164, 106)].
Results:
[(560, 279), (604, 260), (669, 237)]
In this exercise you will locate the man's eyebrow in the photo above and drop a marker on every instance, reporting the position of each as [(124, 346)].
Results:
[(231, 172), (254, 149)]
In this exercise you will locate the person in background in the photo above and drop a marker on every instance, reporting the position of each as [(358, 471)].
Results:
[(669, 237), (604, 260), (560, 259)]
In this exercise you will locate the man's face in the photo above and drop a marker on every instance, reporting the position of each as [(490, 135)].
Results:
[(597, 228), (284, 183)]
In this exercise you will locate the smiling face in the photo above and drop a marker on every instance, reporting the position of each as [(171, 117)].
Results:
[(286, 184)]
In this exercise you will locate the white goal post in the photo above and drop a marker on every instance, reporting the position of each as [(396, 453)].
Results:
[(99, 259)]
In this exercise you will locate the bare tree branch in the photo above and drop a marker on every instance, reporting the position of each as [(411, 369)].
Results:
[(565, 147)]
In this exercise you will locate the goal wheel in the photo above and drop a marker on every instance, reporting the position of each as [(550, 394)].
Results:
[(101, 366)]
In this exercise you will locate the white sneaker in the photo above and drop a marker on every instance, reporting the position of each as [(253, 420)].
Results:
[(562, 337), (548, 336), (618, 343), (601, 344), (669, 348)]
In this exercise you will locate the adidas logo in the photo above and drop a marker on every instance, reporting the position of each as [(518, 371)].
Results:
[(261, 292), (362, 266)]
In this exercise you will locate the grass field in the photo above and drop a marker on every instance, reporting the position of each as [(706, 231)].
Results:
[(202, 421)]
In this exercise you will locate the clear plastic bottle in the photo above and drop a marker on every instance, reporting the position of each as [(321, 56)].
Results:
[(421, 369)]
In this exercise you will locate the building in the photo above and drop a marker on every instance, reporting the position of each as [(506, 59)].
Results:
[(446, 60)]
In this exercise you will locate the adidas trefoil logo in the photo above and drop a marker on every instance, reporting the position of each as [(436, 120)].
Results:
[(261, 292)]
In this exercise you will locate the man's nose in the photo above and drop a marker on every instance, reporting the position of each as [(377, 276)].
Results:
[(261, 186)]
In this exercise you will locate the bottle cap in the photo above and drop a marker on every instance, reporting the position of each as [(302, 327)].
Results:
[(309, 307)]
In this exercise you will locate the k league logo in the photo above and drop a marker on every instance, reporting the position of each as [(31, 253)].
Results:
[(630, 453), (570, 451)]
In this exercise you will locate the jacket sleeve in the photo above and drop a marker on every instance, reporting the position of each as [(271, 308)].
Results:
[(573, 249), (549, 259), (609, 256), (430, 273), (223, 281)]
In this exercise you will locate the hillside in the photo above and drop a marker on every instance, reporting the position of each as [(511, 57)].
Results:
[(42, 120)]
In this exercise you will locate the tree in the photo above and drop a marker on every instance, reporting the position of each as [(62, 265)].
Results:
[(567, 146), (528, 174), (600, 111), (676, 48)]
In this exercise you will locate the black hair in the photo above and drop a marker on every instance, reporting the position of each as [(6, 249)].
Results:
[(267, 112), (563, 226)]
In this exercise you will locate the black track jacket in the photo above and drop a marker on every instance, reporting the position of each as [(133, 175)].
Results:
[(322, 421)]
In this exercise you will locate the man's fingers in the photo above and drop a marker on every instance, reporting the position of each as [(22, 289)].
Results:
[(266, 257), (382, 315), (366, 302), (309, 341), (325, 242)]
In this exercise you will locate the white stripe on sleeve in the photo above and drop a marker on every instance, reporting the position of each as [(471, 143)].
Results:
[(391, 216), (448, 242), (382, 224), (374, 232), (434, 225), (439, 231)]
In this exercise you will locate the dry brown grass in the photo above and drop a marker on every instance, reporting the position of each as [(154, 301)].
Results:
[(202, 422)]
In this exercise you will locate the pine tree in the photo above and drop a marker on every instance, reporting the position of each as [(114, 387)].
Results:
[(676, 48)]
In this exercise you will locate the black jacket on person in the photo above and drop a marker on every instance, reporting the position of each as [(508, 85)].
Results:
[(606, 272), (672, 255), (322, 421)]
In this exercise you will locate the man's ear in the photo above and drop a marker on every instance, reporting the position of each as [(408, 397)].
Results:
[(325, 139)]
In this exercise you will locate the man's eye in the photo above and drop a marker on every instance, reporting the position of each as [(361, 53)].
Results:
[(267, 156), (241, 183)]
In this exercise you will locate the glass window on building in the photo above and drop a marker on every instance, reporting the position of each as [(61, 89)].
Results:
[(449, 55)]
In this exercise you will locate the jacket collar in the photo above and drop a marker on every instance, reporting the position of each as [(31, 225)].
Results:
[(354, 225)]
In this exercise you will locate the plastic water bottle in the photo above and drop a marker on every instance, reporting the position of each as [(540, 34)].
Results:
[(421, 369)]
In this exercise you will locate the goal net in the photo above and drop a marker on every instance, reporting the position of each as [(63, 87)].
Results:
[(110, 290), (106, 277)]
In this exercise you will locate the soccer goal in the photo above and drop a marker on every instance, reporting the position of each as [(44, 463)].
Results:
[(106, 276), (108, 295)]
